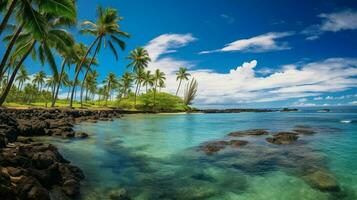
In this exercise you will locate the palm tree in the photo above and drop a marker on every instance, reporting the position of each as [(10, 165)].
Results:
[(32, 15), (91, 83), (182, 74), (22, 77), (50, 84), (69, 56), (105, 28), (139, 77), (110, 81), (88, 69), (47, 32), (158, 77), (139, 59), (127, 80), (39, 80), (148, 80)]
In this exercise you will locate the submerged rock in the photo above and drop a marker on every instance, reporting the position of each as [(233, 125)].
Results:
[(306, 130), (283, 138), (322, 180), (248, 132), (216, 146), (119, 194)]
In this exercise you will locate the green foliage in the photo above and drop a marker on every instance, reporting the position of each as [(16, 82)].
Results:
[(190, 92), (163, 102)]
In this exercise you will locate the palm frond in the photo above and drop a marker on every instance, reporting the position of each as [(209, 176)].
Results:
[(190, 92)]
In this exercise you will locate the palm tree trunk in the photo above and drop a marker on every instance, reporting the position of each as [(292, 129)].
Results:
[(9, 48), (12, 78), (178, 88), (79, 68), (86, 96), (7, 16), (57, 87), (155, 94), (136, 91)]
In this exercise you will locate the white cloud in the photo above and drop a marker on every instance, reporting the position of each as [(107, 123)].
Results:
[(260, 43), (318, 98), (344, 20), (167, 43), (353, 102), (302, 100), (332, 22), (245, 84)]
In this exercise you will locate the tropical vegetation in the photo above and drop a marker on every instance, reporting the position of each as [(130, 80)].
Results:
[(39, 30)]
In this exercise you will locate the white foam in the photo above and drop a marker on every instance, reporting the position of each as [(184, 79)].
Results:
[(346, 121)]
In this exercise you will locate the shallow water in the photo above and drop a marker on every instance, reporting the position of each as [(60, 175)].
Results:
[(157, 157)]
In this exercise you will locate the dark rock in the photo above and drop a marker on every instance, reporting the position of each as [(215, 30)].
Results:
[(237, 143), (249, 132), (213, 147), (71, 187), (30, 188), (81, 135), (6, 192), (283, 138)]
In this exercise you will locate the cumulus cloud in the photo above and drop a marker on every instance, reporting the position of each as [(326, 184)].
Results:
[(332, 22), (244, 83), (260, 43)]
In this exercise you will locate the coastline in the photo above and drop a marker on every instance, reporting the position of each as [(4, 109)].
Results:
[(32, 169)]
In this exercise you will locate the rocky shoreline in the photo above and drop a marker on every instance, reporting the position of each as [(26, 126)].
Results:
[(34, 170)]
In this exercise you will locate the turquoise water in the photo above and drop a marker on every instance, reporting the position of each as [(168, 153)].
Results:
[(157, 156)]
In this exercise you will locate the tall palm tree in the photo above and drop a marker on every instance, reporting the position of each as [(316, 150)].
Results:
[(105, 28), (69, 56), (32, 15), (139, 59), (139, 77), (127, 80), (22, 77), (158, 77), (182, 74), (92, 61), (39, 80), (48, 34), (110, 81), (148, 80), (91, 83)]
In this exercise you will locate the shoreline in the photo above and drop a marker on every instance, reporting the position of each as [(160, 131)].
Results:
[(33, 169)]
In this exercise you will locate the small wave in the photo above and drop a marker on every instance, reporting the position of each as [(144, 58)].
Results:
[(346, 121)]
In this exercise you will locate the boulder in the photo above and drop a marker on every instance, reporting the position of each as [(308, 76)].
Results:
[(29, 188), (248, 132), (213, 147), (283, 138)]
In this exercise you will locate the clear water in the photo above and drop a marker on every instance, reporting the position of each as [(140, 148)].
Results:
[(157, 157)]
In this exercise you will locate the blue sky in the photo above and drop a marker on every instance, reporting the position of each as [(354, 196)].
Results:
[(296, 53)]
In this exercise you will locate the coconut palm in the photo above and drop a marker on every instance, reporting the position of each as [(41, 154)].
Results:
[(22, 77), (32, 16), (126, 80), (139, 77), (148, 80), (111, 82), (105, 28), (182, 74), (69, 56), (52, 36), (91, 83), (39, 80), (139, 59), (158, 77)]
